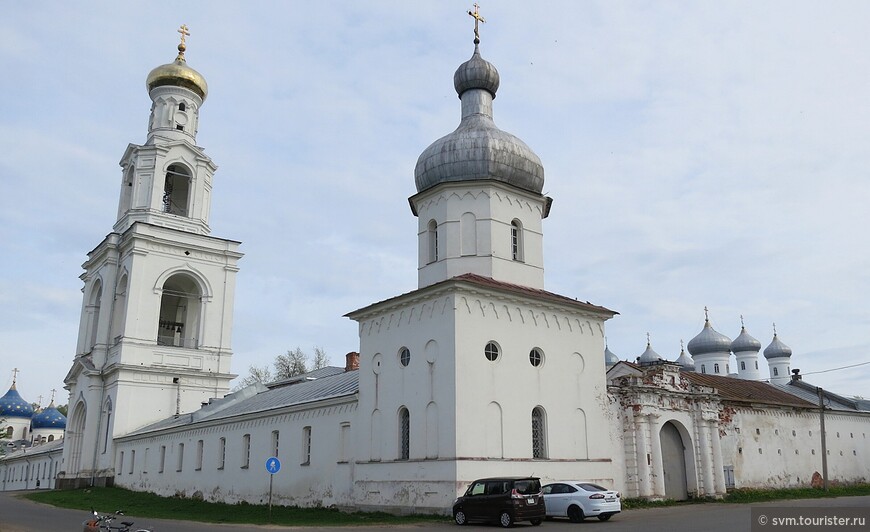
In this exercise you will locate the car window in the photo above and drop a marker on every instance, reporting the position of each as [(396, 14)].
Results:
[(527, 487), (496, 487), (591, 487), (570, 489), (548, 489), (477, 489)]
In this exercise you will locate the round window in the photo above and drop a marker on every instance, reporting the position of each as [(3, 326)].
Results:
[(404, 356), (491, 351), (536, 357)]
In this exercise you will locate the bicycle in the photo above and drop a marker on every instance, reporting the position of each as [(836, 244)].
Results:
[(103, 523)]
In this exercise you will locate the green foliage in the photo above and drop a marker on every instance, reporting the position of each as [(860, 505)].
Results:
[(144, 505), (746, 496)]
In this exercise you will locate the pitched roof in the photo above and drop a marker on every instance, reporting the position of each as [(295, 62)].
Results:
[(510, 288), (809, 392), (745, 391)]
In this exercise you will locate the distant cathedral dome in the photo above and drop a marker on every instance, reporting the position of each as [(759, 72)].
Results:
[(610, 358), (649, 356), (178, 74), (777, 349), (745, 342), (685, 361), (50, 418), (478, 149), (12, 405), (709, 341)]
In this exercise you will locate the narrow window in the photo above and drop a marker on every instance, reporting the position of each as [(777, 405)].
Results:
[(222, 452), (306, 446), (182, 107), (716, 368), (275, 443), (433, 241), (536, 357), (775, 372), (132, 460), (756, 364), (162, 458), (121, 463), (404, 434), (145, 462), (176, 189), (343, 442), (539, 436), (199, 446), (491, 351), (703, 368), (246, 451), (180, 464), (742, 365), (516, 240), (108, 410), (404, 356)]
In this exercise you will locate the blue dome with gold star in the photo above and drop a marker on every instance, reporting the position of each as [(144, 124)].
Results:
[(50, 418), (12, 405)]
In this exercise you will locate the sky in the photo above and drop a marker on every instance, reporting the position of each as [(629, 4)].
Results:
[(699, 154)]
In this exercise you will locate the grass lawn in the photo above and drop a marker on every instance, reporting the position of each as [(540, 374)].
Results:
[(107, 500), (746, 496)]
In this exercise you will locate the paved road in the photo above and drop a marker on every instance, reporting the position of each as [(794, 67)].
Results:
[(22, 515)]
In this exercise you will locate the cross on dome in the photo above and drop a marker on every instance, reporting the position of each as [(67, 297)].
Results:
[(477, 19), (185, 32)]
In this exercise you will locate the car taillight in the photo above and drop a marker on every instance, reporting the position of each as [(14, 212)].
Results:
[(516, 495), (596, 496)]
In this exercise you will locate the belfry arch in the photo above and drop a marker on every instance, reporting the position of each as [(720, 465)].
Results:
[(180, 311)]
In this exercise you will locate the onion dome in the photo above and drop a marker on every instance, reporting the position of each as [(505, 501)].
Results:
[(50, 418), (178, 74), (649, 356), (478, 149), (12, 405), (610, 359), (777, 349), (709, 341), (745, 342), (685, 361)]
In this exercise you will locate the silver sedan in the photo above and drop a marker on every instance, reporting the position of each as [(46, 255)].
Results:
[(578, 500)]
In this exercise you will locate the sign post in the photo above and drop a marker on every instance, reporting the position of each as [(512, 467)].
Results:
[(273, 465)]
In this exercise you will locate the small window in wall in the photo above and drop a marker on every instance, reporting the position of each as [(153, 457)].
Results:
[(404, 356), (306, 446), (180, 465), (716, 368), (145, 461), (275, 436), (742, 365), (432, 238), (246, 451), (199, 446), (121, 463), (162, 458), (132, 460), (182, 107), (775, 372), (756, 364), (222, 453), (516, 240), (404, 434), (344, 441), (539, 433), (536, 357), (491, 351), (703, 368)]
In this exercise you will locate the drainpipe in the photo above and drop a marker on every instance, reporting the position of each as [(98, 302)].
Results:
[(824, 442)]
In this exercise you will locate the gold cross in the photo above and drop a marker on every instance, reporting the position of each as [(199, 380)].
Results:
[(477, 19), (184, 33)]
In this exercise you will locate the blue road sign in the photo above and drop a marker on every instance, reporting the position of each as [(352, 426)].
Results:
[(273, 465)]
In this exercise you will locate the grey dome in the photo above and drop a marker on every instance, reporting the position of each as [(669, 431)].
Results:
[(685, 361), (478, 150), (610, 359), (709, 341), (777, 349), (476, 73), (745, 342), (649, 356)]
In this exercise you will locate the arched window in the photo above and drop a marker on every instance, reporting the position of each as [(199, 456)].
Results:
[(107, 418), (51, 437), (703, 368), (742, 365), (182, 107), (94, 311), (179, 312), (404, 434), (432, 238), (176, 190), (716, 368), (775, 372), (539, 433), (516, 240)]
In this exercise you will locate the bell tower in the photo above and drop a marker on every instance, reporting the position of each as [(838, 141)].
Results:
[(155, 331)]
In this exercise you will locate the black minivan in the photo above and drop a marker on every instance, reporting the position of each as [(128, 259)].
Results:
[(502, 500)]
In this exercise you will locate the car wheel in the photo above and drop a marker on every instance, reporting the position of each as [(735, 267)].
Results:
[(505, 520), (460, 517), (604, 517), (575, 514), (536, 522)]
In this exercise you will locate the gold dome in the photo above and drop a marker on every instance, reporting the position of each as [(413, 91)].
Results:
[(178, 74)]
